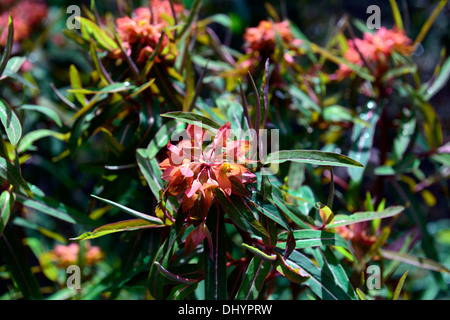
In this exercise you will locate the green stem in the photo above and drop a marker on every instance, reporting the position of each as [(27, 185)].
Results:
[(215, 257)]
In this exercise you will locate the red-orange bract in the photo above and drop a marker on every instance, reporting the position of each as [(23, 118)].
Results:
[(199, 172), (26, 16), (375, 49)]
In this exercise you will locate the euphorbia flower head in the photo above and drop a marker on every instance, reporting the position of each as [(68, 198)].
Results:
[(376, 49), (197, 172), (144, 29), (65, 256), (263, 37)]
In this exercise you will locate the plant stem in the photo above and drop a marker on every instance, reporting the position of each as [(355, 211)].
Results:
[(215, 263)]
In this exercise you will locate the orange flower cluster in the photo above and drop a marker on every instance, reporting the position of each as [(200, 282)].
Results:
[(65, 256), (199, 172), (260, 40), (357, 233), (26, 16), (143, 31), (375, 49)]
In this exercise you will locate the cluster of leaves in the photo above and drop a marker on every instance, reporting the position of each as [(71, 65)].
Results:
[(310, 229)]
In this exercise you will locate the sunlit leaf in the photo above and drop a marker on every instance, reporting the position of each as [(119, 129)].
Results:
[(10, 122), (121, 226), (343, 220)]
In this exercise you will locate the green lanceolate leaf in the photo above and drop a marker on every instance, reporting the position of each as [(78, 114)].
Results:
[(271, 211), (176, 278), (241, 214), (56, 209), (10, 122), (361, 294), (343, 220), (44, 110), (330, 265), (312, 157), (420, 262), (439, 82), (132, 212), (362, 139), (28, 139), (253, 280), (399, 287), (13, 255), (111, 88), (6, 203), (313, 238), (8, 46), (98, 34), (322, 284), (121, 226), (75, 81), (162, 137), (13, 176), (193, 118), (290, 270)]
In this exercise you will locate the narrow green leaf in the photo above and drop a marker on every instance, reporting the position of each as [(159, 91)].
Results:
[(28, 139), (313, 238), (290, 270), (111, 88), (193, 118), (343, 220), (44, 110), (259, 253), (396, 13), (14, 64), (399, 287), (271, 211), (8, 46), (253, 280), (322, 284), (173, 277), (13, 255), (75, 81), (439, 82), (134, 213), (6, 203), (121, 226), (362, 139), (97, 33), (10, 122), (420, 262), (56, 209), (312, 157), (241, 214), (427, 25), (13, 176), (291, 211), (162, 137), (360, 294), (115, 146)]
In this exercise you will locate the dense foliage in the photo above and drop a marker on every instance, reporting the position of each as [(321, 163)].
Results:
[(164, 161)]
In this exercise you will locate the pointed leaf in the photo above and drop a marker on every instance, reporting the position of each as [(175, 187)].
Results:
[(343, 220), (134, 213), (253, 280), (312, 157), (121, 226)]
